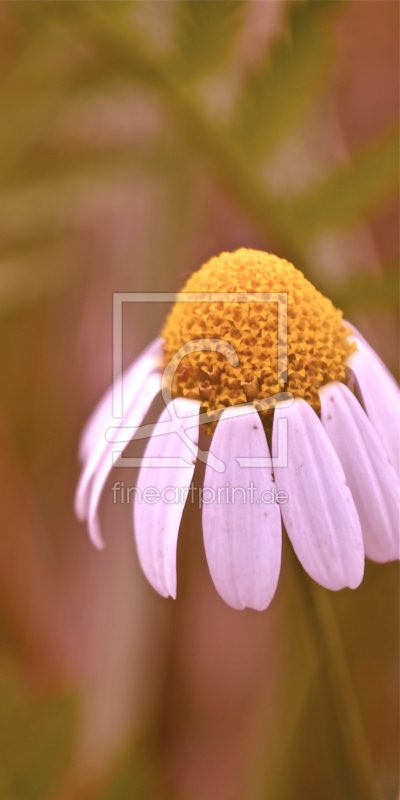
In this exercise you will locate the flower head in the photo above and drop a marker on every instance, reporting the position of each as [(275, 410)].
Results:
[(256, 354), (313, 338)]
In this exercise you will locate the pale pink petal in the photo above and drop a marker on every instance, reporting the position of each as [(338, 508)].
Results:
[(102, 416), (380, 395), (360, 340), (157, 523), (93, 442), (133, 419), (320, 516), (242, 534), (369, 474)]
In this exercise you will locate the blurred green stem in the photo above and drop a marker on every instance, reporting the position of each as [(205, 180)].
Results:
[(351, 738)]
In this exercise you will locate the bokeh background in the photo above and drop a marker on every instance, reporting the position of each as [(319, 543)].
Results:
[(138, 139)]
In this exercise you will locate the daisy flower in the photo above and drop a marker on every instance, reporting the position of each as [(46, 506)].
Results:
[(232, 370)]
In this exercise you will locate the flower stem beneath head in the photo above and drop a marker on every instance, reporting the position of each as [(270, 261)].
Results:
[(355, 756)]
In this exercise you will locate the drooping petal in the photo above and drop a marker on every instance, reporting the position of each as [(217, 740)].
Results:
[(241, 526), (380, 395), (132, 420), (93, 442), (320, 516), (369, 473), (102, 416), (162, 492), (360, 340)]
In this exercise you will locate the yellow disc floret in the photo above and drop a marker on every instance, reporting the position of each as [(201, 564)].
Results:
[(310, 354)]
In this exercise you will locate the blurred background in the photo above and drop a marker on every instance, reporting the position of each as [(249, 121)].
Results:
[(138, 139)]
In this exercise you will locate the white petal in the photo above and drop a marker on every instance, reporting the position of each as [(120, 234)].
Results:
[(369, 474), (133, 419), (362, 342), (242, 534), (380, 395), (102, 417), (320, 516), (93, 442), (157, 523)]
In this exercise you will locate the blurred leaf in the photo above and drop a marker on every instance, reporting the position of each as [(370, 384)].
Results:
[(352, 191), (286, 81), (90, 163), (369, 292), (206, 33), (125, 52), (50, 56), (134, 777), (343, 197), (34, 273), (36, 739)]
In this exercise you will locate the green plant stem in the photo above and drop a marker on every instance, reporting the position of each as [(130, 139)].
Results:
[(355, 755)]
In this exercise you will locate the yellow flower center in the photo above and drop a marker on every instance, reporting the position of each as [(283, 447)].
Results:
[(269, 360)]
